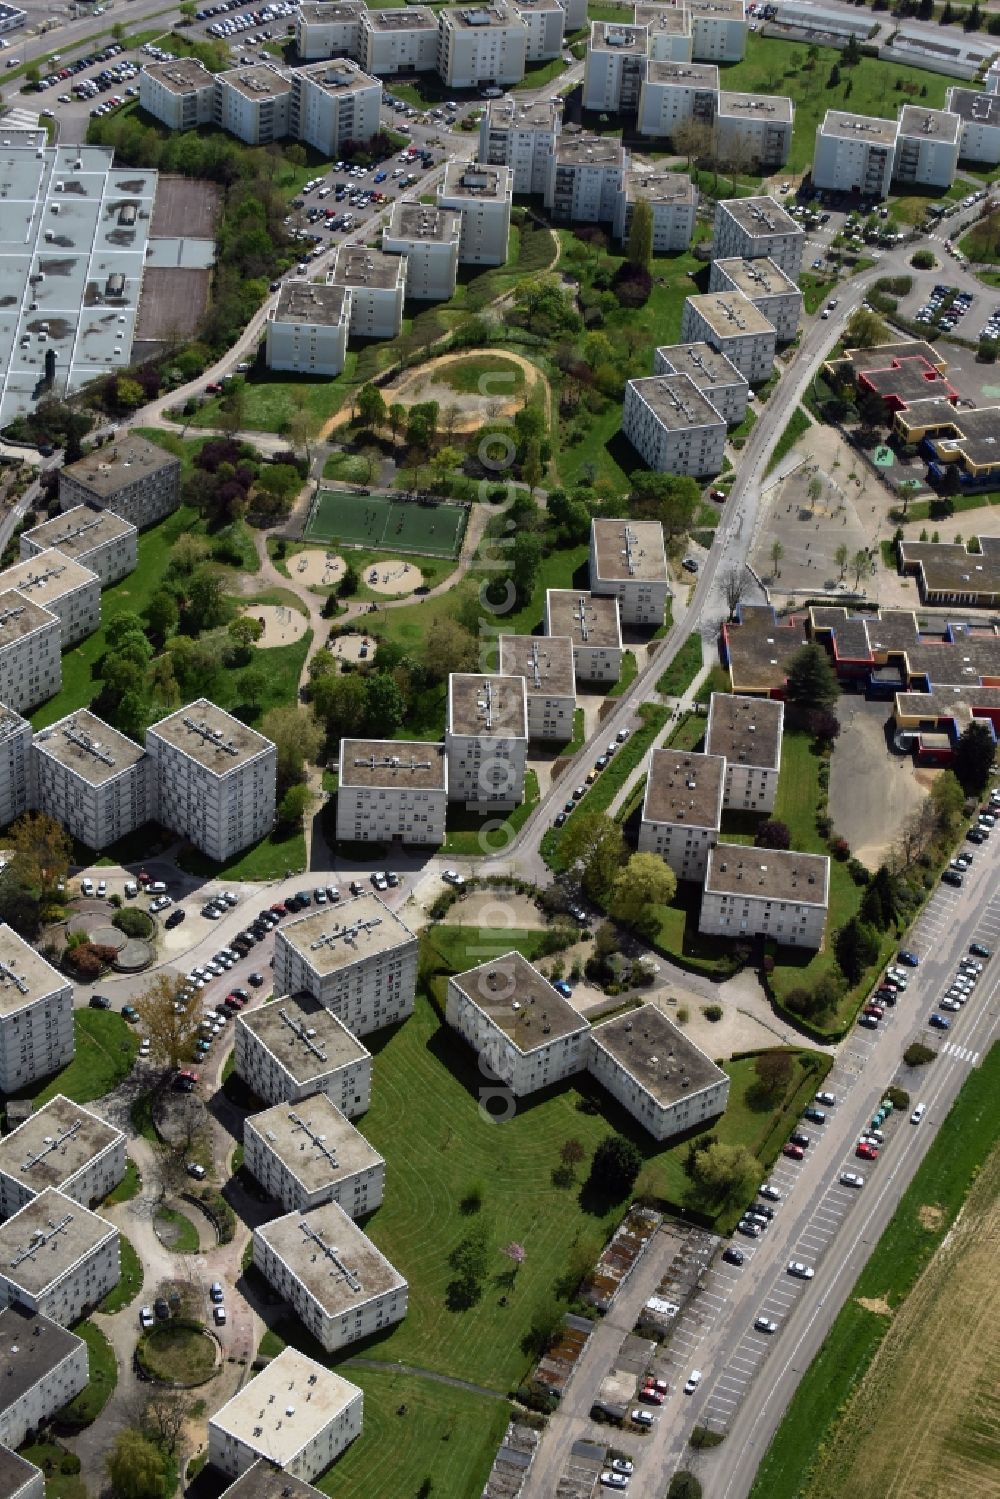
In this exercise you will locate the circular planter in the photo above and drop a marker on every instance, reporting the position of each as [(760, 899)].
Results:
[(179, 1354)]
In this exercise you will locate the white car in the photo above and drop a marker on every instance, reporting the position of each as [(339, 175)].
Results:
[(694, 1381), (918, 1113), (851, 1179), (764, 1324), (86, 887), (144, 1047), (800, 1271), (159, 904), (193, 1168), (452, 877), (770, 1192), (102, 888), (614, 1480), (643, 1418), (146, 1318)]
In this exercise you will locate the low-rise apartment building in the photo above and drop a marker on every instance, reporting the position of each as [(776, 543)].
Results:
[(668, 32), (755, 129), (57, 1258), (766, 286), (522, 137), (130, 476), (180, 93), (340, 1285), (854, 154), (65, 1146), (332, 103), (306, 1154), (45, 1367), (399, 41), (481, 196), (979, 117), (254, 103), (213, 779), (483, 43), (91, 779), (377, 286), (357, 958), (718, 29), (486, 739), (295, 1415), (20, 1479), (758, 229), (656, 1072), (429, 238), (55, 582), (593, 625), (765, 892), (585, 179), (614, 68), (546, 664), (36, 1015), (330, 28), (673, 427), (735, 326), (524, 1033), (682, 809), (747, 733), (15, 765), (674, 93), (266, 1481), (544, 21), (927, 146), (715, 376), (98, 540), (307, 329), (295, 1047), (628, 562), (673, 202), (392, 788)]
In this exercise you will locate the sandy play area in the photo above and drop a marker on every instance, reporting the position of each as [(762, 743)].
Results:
[(282, 625), (392, 577), (316, 568), (349, 647)]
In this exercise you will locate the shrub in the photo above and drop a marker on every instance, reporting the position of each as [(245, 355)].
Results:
[(918, 1055), (923, 260), (684, 1485), (701, 1437), (712, 1012), (898, 1097), (69, 1463), (859, 874), (133, 922)]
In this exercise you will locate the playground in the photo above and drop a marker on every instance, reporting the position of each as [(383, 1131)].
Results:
[(383, 524), (316, 568), (393, 577), (282, 625)]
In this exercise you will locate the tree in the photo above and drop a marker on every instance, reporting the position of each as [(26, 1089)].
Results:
[(860, 564), (777, 552), (878, 904), (773, 834), (571, 1153), (161, 614), (245, 631), (532, 467), (526, 559), (834, 79), (443, 462), (684, 1485), (385, 706), (371, 407), (856, 947), (734, 587), (840, 557), (128, 393), (41, 852), (671, 499), (947, 799), (470, 1261), (812, 681), (865, 330), (973, 758), (136, 1467), (298, 736), (639, 249), (725, 1174), (172, 1031), (774, 1072), (615, 1167), (252, 685), (293, 806), (303, 422), (448, 647), (397, 419), (187, 553), (162, 1416), (592, 846), (341, 702), (645, 882), (693, 140), (204, 603)]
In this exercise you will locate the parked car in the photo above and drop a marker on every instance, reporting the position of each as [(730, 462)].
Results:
[(770, 1192), (452, 877), (256, 979), (175, 918), (814, 1115), (851, 1179), (918, 1113), (909, 958), (764, 1324), (219, 1313), (130, 1013), (938, 1022), (733, 1256), (828, 1098), (800, 1271), (642, 1418), (197, 1171), (694, 1380), (146, 1318), (793, 1152)]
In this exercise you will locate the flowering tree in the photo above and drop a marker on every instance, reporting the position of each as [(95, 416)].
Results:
[(516, 1252)]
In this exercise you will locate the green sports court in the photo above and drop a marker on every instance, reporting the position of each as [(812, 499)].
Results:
[(375, 521)]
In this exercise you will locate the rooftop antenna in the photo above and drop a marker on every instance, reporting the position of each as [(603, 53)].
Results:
[(332, 1253), (317, 1139), (301, 1033), (52, 1144), (39, 1238), (87, 743)]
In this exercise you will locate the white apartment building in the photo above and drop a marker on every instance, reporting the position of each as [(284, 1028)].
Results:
[(45, 1366), (524, 1033), (254, 103), (765, 892), (55, 582), (357, 958), (483, 43), (180, 94), (399, 41), (30, 652), (656, 1072), (65, 1146), (20, 1479), (731, 323), (522, 137), (307, 329), (854, 154), (391, 789), (376, 284), (758, 229), (213, 779), (719, 381), (575, 12), (546, 664), (486, 739), (747, 732), (979, 115), (593, 625), (672, 426), (766, 286), (98, 540), (57, 1258), (481, 196), (628, 562), (131, 477), (15, 765), (36, 1015), (340, 1285), (91, 779), (755, 129), (682, 809), (674, 92), (614, 67), (265, 1481), (673, 202), (544, 21), (306, 1154), (295, 1414), (585, 179), (718, 29), (668, 30), (332, 103), (927, 146), (429, 238), (329, 29), (294, 1047)]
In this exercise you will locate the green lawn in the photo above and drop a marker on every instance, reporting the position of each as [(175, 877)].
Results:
[(683, 669), (798, 424), (48, 1456), (176, 1231), (105, 1051), (273, 398), (629, 672), (943, 1178), (466, 376), (478, 833), (348, 468), (103, 1369), (270, 859), (129, 1186), (539, 74), (565, 568), (177, 1351), (128, 1288), (982, 243)]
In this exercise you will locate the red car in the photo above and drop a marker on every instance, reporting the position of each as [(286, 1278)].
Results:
[(231, 1002), (794, 1152), (279, 910), (213, 389), (866, 1152), (651, 1395), (875, 1010)]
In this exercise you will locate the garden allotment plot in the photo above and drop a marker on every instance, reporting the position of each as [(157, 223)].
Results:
[(382, 524)]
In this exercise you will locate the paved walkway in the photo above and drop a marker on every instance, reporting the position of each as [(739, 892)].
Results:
[(378, 1366)]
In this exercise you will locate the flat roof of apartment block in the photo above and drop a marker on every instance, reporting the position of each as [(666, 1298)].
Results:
[(746, 730), (413, 18), (46, 1239), (328, 12), (392, 762), (78, 531), (629, 549), (334, 1259), (24, 974), (92, 749), (731, 315), (761, 216), (677, 402), (211, 736), (46, 577), (590, 151), (54, 1144), (684, 787), (358, 265), (672, 18), (661, 187), (303, 1036), (544, 661), (929, 124), (15, 1471), (869, 129), (338, 75), (336, 936), (42, 1345), (182, 75), (19, 617), (767, 874), (424, 222), (770, 107), (702, 364), (486, 705), (617, 36), (657, 1053), (693, 75), (285, 1407), (312, 304), (126, 460), (257, 83), (519, 1001), (588, 620), (758, 278), (315, 1142), (265, 1480)]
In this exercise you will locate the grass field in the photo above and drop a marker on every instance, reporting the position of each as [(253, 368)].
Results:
[(272, 399), (478, 833), (270, 859), (798, 424), (175, 1351), (982, 243), (683, 669), (128, 1288), (176, 1231), (465, 376), (934, 1394), (127, 1188), (382, 524), (105, 1051), (103, 1370)]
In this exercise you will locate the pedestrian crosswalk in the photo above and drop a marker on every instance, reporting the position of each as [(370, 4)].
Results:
[(963, 1053)]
